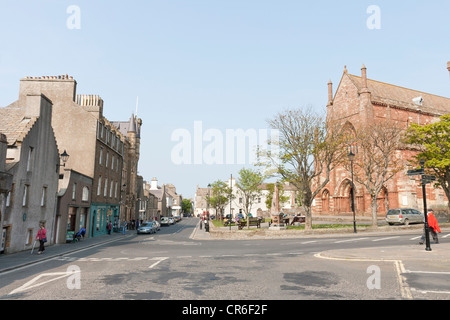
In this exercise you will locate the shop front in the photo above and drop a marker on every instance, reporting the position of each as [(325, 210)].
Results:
[(102, 214)]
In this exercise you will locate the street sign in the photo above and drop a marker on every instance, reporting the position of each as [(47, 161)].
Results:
[(416, 172), (428, 179)]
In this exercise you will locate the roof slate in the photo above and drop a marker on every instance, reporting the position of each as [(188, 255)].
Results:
[(393, 95)]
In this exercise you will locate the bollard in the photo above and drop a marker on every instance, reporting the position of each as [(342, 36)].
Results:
[(206, 226)]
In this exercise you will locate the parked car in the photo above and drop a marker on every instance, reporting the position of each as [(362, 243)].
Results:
[(171, 220), (404, 216), (147, 227), (164, 221)]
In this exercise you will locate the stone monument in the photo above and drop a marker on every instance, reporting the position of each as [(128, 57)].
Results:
[(277, 215)]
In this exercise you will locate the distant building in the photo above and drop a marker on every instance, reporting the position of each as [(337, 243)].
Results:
[(259, 207)]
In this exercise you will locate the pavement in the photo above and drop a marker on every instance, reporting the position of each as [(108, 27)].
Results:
[(440, 252), (17, 260)]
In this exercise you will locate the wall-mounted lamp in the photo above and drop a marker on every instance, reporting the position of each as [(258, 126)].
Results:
[(64, 157)]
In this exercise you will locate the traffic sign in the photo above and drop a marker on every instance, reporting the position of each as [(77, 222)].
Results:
[(428, 179), (416, 172)]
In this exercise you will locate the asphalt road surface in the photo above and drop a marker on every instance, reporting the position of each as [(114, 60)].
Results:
[(169, 265)]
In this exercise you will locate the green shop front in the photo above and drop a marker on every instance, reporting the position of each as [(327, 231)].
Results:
[(101, 214)]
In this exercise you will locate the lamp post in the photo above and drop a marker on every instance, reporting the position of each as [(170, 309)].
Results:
[(351, 157), (231, 197), (424, 194), (209, 199), (64, 157)]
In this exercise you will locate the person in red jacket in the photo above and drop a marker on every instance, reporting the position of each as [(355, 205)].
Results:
[(433, 227), (42, 236)]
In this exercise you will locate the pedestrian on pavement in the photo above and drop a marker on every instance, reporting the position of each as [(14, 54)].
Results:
[(124, 226), (433, 227), (42, 236), (109, 227)]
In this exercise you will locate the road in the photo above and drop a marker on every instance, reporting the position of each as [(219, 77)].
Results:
[(169, 265)]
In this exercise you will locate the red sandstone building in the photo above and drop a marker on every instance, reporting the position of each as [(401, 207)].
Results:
[(360, 100)]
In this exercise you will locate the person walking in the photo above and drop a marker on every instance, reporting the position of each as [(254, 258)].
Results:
[(42, 236), (433, 227), (124, 230), (109, 227)]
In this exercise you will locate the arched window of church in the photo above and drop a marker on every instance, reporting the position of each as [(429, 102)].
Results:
[(350, 138)]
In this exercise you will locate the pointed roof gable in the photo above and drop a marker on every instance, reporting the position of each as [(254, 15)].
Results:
[(14, 124)]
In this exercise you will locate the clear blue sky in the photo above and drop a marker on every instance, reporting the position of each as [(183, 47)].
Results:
[(230, 64)]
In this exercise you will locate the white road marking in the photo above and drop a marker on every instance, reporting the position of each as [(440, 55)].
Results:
[(399, 267), (388, 238), (161, 259), (350, 240), (30, 284)]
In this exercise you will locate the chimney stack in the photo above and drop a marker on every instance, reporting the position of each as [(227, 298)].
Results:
[(330, 93), (364, 76)]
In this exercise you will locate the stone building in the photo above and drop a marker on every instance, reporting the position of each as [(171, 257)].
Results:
[(159, 192), (5, 188), (97, 148), (131, 130), (174, 207), (74, 202), (151, 209), (33, 162), (359, 100)]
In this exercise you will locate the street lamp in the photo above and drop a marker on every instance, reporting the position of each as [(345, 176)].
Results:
[(208, 202), (231, 198), (351, 157), (424, 195), (64, 157)]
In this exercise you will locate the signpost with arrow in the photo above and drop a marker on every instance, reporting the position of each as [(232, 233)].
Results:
[(424, 181)]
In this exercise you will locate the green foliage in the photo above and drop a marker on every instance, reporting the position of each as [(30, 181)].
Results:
[(433, 142), (248, 184)]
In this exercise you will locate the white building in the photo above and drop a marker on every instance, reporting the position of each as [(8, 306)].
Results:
[(259, 207)]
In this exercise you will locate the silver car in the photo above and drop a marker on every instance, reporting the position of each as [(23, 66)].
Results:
[(404, 216), (146, 227)]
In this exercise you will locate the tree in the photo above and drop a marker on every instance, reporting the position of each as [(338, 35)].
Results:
[(249, 188), (433, 143), (186, 205), (220, 196), (309, 148), (378, 158)]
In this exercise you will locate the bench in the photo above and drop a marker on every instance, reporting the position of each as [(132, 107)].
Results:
[(298, 219), (252, 222), (285, 221)]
